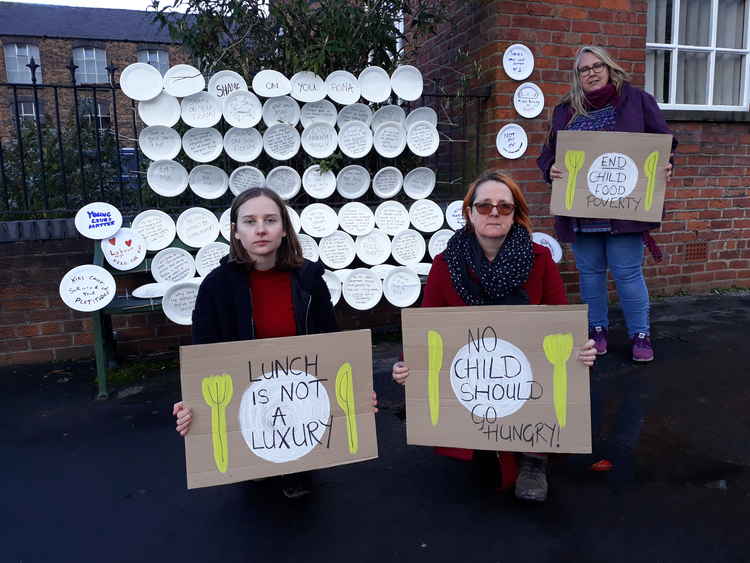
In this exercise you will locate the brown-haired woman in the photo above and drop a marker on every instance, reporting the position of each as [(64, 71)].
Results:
[(263, 289), (493, 261)]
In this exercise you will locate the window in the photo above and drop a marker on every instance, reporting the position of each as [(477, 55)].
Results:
[(26, 111), (17, 56), (697, 54), (155, 57), (92, 65), (95, 115)]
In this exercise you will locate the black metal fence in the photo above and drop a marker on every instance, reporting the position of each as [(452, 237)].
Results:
[(65, 145)]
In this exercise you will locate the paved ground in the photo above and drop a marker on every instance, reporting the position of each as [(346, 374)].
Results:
[(87, 480)]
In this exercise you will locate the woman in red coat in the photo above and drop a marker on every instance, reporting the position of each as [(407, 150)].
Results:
[(493, 261)]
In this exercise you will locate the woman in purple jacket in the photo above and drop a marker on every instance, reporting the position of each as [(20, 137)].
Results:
[(602, 99)]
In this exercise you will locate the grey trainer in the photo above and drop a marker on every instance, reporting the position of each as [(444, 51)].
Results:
[(531, 483)]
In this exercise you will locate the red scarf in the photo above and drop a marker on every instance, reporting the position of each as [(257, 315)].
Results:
[(604, 96)]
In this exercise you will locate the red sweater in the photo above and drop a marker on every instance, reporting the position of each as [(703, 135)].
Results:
[(273, 312)]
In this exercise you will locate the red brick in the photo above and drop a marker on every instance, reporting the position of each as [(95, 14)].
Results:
[(29, 357), (56, 341), (24, 304)]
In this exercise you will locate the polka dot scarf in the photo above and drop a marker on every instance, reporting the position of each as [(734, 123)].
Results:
[(492, 283)]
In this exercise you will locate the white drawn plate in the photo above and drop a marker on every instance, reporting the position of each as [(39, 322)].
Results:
[(87, 288), (390, 139), (408, 247), (387, 182), (511, 141), (343, 274), (181, 81), (98, 220), (356, 218), (334, 286), (439, 241), (423, 139), (179, 301), (518, 62), (374, 84), (407, 82), (162, 110), (172, 265), (151, 290), (202, 144), (310, 249), (426, 215), (242, 109), (158, 142), (454, 215), (124, 250), (200, 110), (281, 142), (285, 181), (317, 185), (386, 114), (382, 270), (321, 111), (402, 287), (319, 140), (422, 268), (307, 87), (354, 112), (342, 87), (424, 113), (294, 219), (550, 242), (244, 178), (243, 144), (392, 217), (207, 258), (222, 84), (373, 248), (337, 250), (352, 181), (283, 109), (197, 227), (156, 227), (208, 181), (419, 182), (271, 83), (319, 220), (355, 139), (225, 224), (528, 100), (362, 289), (141, 82), (167, 178)]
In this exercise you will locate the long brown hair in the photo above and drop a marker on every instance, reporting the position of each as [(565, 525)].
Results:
[(288, 255), (521, 212)]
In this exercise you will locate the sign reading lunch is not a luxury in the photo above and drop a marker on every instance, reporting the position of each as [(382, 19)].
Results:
[(611, 175)]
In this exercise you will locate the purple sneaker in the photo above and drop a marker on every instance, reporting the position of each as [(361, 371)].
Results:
[(599, 335), (642, 350)]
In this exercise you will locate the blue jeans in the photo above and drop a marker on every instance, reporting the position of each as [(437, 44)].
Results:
[(595, 253)]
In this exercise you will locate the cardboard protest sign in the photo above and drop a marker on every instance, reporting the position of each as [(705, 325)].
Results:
[(497, 378), (277, 406), (610, 175)]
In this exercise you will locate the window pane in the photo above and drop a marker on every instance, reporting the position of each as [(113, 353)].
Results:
[(731, 24), (692, 78), (659, 29), (695, 22), (657, 74), (155, 57), (17, 56), (728, 79), (92, 65)]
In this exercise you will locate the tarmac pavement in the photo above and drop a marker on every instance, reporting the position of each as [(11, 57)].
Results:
[(104, 481)]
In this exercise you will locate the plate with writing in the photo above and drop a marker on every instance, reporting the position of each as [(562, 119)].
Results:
[(243, 145), (356, 218), (423, 139), (208, 257), (321, 111), (319, 140), (98, 220), (225, 224), (282, 109), (172, 265), (242, 109), (355, 112), (402, 287), (342, 87), (285, 181), (271, 83), (294, 218), (511, 141), (551, 243), (419, 182), (183, 80), (158, 142), (281, 141), (244, 178), (179, 301), (373, 248), (454, 215), (208, 182), (337, 250), (307, 87), (87, 288), (352, 181), (528, 100), (387, 182), (319, 185), (156, 227), (167, 178), (408, 247), (197, 227), (200, 110), (124, 250), (518, 61), (387, 114), (362, 289), (438, 242), (426, 215), (224, 82), (203, 144), (310, 249), (424, 113), (392, 217), (355, 139), (319, 220), (390, 139), (334, 286)]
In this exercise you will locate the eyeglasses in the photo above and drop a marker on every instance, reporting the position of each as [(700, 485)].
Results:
[(485, 208), (596, 67)]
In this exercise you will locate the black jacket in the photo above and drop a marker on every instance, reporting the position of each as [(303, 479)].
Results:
[(224, 311)]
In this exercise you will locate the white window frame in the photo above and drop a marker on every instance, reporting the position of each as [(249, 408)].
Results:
[(29, 51), (23, 105), (81, 58), (674, 48), (162, 58), (102, 111)]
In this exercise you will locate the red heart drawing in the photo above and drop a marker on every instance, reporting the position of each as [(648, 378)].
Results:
[(113, 241), (128, 242)]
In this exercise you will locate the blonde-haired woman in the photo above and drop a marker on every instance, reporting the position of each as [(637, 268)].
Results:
[(602, 99)]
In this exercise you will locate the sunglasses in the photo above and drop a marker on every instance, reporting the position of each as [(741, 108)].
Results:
[(485, 208), (596, 67)]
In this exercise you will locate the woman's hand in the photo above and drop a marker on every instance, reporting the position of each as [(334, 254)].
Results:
[(555, 172), (374, 402), (587, 353), (400, 372), (184, 417)]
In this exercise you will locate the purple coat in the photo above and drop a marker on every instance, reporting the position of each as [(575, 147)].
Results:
[(636, 111)]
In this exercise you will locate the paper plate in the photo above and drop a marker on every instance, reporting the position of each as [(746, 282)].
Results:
[(407, 83), (426, 215), (382, 270), (156, 227), (124, 250), (319, 186), (342, 87), (151, 290), (386, 114), (334, 286), (285, 181), (244, 178), (225, 224), (354, 112), (98, 220), (337, 250), (167, 178), (207, 258), (158, 142), (318, 220), (511, 141), (307, 87), (321, 111), (197, 227), (355, 139), (271, 83), (392, 217), (319, 140), (424, 113), (172, 265), (208, 182), (294, 218), (550, 242), (343, 274), (408, 247), (423, 139), (242, 109), (281, 142), (282, 109), (421, 269), (439, 241), (362, 289), (419, 182), (87, 288), (402, 287), (162, 110), (179, 301), (373, 248), (528, 100), (243, 145), (352, 181), (181, 81), (387, 182), (200, 110), (454, 215), (518, 62), (374, 84), (390, 139), (309, 247), (224, 83), (202, 144), (356, 218), (141, 82)]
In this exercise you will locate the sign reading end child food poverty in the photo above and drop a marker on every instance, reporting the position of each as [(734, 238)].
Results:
[(497, 378), (277, 406), (610, 175)]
